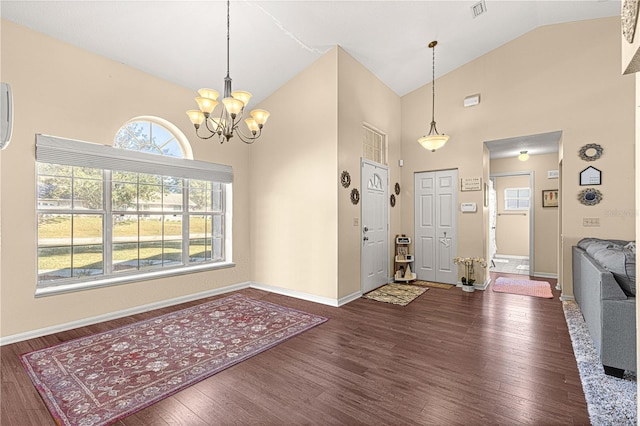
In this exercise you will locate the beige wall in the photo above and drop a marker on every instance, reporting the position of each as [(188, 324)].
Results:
[(304, 237), (64, 91), (545, 234), (362, 98), (512, 227), (559, 77), (294, 204), (293, 226)]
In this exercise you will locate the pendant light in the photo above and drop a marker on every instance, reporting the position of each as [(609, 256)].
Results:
[(524, 156), (433, 140)]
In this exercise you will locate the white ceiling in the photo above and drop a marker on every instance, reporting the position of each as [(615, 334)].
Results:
[(543, 143), (272, 41)]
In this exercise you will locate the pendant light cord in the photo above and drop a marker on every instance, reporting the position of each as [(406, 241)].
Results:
[(433, 85)]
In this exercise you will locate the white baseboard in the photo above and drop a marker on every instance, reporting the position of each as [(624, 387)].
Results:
[(349, 298), (119, 314), (511, 256), (545, 275), (297, 294), (566, 298), (484, 285), (176, 301)]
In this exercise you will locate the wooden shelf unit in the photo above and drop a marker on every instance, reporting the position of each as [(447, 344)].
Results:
[(403, 261)]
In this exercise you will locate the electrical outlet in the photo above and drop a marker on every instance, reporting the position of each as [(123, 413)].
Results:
[(356, 221), (591, 221)]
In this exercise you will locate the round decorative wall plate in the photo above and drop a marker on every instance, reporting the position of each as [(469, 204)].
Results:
[(590, 196), (345, 179), (629, 17), (392, 200), (355, 196), (397, 188), (591, 152)]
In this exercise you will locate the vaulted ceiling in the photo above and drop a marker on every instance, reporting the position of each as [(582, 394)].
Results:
[(271, 41)]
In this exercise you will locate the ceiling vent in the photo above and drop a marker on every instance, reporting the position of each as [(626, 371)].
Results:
[(478, 9)]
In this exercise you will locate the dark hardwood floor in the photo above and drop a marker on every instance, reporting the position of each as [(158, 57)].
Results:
[(447, 358)]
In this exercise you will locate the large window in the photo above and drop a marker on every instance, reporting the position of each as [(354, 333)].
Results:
[(106, 215)]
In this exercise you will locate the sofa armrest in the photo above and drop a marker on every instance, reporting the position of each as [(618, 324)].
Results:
[(610, 289), (619, 334)]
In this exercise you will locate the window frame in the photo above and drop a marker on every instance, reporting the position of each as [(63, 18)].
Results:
[(54, 150), (517, 199)]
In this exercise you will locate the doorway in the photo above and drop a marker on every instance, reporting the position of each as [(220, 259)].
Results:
[(375, 225), (436, 225), (511, 222)]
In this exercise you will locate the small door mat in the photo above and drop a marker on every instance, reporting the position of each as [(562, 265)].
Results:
[(523, 287), (397, 294), (432, 284)]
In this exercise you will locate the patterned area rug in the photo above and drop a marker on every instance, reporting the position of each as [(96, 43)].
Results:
[(431, 284), (398, 294), (523, 287), (98, 379), (610, 401)]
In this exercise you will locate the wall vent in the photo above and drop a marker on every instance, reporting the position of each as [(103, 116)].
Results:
[(478, 9)]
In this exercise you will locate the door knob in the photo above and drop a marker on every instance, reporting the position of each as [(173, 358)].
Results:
[(365, 229), (365, 239)]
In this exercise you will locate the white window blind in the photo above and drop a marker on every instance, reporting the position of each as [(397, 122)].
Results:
[(52, 149)]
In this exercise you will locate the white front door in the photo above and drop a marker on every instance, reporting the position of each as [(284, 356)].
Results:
[(375, 229), (436, 225)]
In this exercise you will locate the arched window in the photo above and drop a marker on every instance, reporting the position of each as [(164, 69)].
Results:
[(114, 214), (155, 136)]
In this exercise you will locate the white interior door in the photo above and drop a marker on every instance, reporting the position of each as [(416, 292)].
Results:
[(436, 225), (375, 228)]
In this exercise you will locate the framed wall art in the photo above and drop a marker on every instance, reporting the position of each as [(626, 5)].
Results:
[(590, 176), (550, 198)]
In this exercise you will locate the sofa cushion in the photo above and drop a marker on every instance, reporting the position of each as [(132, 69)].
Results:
[(595, 246), (621, 263)]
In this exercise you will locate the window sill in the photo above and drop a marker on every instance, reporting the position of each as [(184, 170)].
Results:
[(126, 279)]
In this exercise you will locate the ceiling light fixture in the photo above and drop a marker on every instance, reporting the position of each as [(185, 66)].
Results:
[(433, 140), (524, 156), (225, 125)]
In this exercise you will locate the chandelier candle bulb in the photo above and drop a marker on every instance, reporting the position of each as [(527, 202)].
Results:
[(196, 116), (233, 106), (207, 105), (209, 93), (252, 125), (260, 116), (241, 96)]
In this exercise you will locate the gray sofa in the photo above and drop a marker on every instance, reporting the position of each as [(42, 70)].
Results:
[(604, 287)]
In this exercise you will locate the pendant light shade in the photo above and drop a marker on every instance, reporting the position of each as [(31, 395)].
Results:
[(524, 156), (433, 140)]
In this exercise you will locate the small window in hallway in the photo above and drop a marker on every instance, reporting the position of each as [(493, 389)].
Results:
[(516, 198)]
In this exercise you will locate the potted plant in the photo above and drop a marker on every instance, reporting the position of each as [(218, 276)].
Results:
[(468, 279)]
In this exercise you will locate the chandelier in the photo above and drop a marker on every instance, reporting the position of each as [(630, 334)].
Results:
[(433, 140), (225, 123)]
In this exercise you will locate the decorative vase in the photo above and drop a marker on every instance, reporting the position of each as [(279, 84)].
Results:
[(468, 288)]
